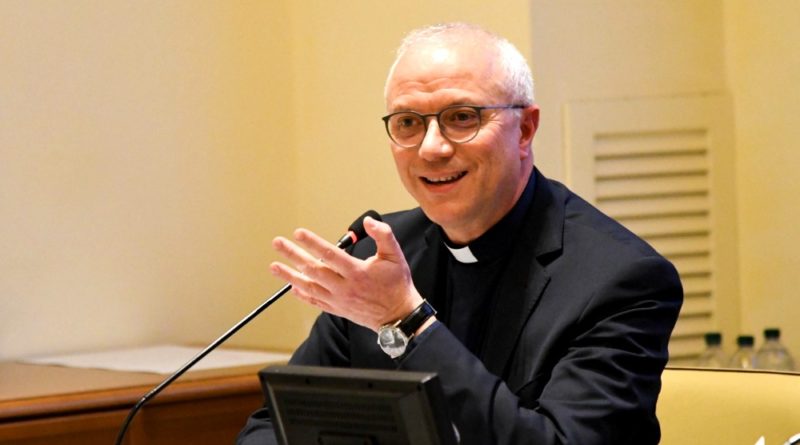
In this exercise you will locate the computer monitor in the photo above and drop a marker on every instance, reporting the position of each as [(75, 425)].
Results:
[(344, 406)]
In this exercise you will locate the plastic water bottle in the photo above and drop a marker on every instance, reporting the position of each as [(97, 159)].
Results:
[(745, 356), (713, 356), (772, 354)]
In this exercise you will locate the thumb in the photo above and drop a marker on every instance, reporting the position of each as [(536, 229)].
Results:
[(388, 247)]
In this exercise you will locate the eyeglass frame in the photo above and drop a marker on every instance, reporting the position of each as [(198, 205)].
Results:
[(478, 109)]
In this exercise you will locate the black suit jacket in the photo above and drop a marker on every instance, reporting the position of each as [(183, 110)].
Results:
[(575, 346)]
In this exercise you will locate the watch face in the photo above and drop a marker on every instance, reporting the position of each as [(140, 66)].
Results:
[(392, 341)]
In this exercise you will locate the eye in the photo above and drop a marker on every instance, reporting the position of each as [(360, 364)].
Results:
[(406, 122), (462, 117)]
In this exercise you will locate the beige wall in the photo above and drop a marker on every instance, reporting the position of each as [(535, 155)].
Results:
[(619, 49), (149, 152), (763, 67), (144, 161)]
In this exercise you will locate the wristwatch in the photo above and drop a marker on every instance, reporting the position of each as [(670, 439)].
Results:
[(394, 338)]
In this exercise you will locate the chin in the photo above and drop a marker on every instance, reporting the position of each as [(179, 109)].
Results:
[(445, 217)]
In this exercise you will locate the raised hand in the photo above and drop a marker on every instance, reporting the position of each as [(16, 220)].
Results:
[(369, 292)]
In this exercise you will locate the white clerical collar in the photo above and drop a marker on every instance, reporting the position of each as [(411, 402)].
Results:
[(462, 254)]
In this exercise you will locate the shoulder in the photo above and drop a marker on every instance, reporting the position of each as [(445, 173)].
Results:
[(599, 262), (589, 227), (588, 239), (407, 223)]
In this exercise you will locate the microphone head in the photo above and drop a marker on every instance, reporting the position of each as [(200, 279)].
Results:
[(357, 228)]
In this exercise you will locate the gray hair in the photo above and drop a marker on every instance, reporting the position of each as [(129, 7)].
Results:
[(518, 81)]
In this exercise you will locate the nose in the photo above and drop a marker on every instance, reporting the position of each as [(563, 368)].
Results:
[(434, 145)]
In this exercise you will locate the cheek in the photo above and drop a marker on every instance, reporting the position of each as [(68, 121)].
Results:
[(502, 168)]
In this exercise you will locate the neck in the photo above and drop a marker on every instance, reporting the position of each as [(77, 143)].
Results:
[(471, 230)]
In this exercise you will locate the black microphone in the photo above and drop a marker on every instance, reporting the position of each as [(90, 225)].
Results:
[(355, 233)]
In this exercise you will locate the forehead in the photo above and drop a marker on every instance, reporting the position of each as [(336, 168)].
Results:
[(443, 73)]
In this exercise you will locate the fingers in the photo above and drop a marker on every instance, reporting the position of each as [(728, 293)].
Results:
[(292, 252), (321, 250), (304, 287), (367, 291), (315, 274), (301, 283), (388, 248)]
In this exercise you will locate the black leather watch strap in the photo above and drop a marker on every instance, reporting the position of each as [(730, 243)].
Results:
[(416, 318)]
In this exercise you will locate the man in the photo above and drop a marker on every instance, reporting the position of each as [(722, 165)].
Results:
[(553, 320)]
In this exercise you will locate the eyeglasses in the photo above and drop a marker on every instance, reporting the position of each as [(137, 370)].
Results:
[(458, 123)]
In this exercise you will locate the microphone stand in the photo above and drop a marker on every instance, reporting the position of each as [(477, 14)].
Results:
[(354, 233), (197, 358)]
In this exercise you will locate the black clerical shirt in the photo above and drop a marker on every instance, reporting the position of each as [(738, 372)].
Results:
[(473, 272)]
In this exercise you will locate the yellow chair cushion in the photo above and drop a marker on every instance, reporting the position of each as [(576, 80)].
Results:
[(725, 406)]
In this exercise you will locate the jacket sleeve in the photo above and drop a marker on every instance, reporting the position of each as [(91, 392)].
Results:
[(258, 430), (601, 389)]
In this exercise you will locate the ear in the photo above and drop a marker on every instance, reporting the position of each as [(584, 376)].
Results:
[(528, 123)]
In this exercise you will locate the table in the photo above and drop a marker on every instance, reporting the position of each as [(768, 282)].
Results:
[(42, 404)]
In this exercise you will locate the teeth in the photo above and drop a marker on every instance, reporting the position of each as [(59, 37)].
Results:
[(445, 179), (449, 178)]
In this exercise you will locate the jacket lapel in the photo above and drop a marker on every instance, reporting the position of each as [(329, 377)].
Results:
[(525, 278), (425, 264)]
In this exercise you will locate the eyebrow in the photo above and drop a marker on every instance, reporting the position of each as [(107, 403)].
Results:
[(454, 103)]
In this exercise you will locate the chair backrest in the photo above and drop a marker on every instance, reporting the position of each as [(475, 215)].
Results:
[(725, 406)]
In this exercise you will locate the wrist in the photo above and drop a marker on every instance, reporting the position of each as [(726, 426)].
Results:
[(394, 338), (397, 313), (430, 321)]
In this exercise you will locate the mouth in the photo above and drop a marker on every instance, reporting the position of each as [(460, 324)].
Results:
[(441, 180)]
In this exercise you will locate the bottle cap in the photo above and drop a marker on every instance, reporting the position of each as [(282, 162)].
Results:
[(745, 340), (772, 333), (713, 338)]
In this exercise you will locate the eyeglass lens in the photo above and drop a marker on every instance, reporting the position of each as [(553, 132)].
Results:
[(458, 124)]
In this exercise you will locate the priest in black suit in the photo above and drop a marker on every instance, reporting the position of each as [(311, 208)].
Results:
[(546, 321)]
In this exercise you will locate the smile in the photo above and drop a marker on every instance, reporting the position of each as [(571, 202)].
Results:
[(444, 180)]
